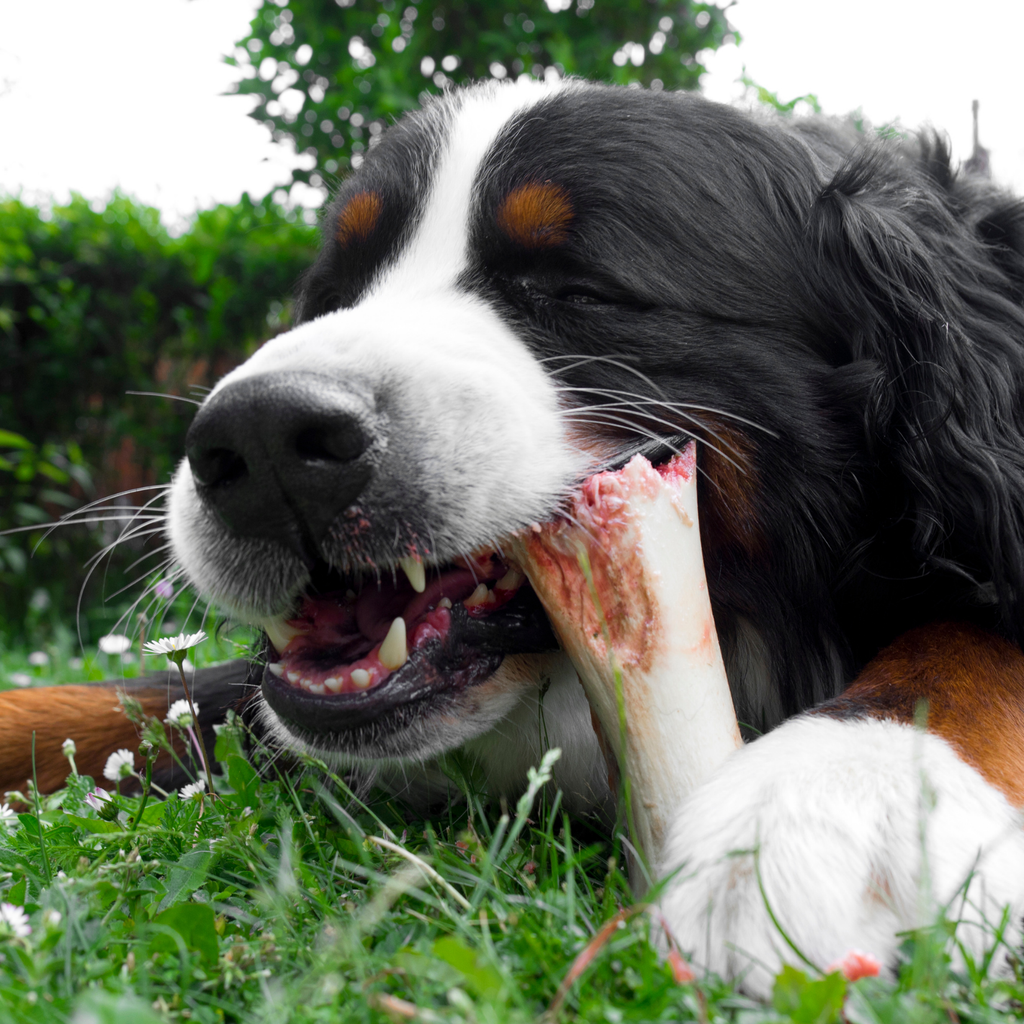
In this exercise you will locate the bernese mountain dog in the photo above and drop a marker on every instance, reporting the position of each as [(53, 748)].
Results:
[(527, 283)]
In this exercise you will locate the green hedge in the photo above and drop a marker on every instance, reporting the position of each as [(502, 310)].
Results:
[(95, 301)]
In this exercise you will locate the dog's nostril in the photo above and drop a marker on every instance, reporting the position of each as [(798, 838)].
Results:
[(337, 443), (217, 466)]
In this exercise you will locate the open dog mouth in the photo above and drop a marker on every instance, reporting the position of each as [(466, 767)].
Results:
[(360, 646)]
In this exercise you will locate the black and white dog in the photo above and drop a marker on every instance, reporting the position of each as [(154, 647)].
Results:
[(526, 283)]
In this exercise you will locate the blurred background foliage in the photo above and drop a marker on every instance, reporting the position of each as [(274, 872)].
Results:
[(97, 299), (330, 74)]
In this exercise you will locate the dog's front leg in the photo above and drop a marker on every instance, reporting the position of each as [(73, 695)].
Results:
[(849, 825)]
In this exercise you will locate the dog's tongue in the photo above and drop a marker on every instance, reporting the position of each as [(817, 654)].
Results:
[(622, 580)]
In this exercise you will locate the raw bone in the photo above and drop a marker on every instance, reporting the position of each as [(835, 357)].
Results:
[(638, 528)]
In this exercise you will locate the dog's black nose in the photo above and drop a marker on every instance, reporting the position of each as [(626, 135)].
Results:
[(281, 456)]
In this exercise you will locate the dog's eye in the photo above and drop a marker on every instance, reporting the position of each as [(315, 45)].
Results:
[(567, 288), (576, 293), (581, 297)]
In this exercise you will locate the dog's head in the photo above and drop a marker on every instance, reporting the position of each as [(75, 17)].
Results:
[(525, 283)]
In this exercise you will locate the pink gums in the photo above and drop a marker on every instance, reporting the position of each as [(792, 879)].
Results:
[(345, 633), (300, 671)]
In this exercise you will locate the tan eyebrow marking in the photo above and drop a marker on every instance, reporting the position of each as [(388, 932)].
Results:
[(536, 215), (358, 217)]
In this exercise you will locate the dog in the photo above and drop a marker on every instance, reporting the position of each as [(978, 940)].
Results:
[(527, 283)]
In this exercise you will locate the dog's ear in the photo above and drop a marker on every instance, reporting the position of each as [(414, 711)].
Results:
[(1001, 225), (905, 279)]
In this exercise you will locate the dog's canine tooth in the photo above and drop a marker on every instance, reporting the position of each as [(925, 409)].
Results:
[(478, 597), (280, 632), (333, 684), (415, 573), (444, 603), (393, 652), (360, 678), (510, 581), (276, 669)]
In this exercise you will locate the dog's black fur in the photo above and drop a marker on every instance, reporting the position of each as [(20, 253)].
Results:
[(850, 304)]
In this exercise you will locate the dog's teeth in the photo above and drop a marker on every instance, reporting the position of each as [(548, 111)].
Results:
[(280, 632), (276, 669), (478, 597), (361, 678), (333, 684), (393, 652), (512, 580), (317, 688), (444, 603), (415, 572), (293, 677)]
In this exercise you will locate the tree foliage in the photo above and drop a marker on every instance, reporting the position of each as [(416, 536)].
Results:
[(99, 301), (328, 74)]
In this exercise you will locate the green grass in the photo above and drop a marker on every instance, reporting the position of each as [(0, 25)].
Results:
[(277, 902), (59, 658)]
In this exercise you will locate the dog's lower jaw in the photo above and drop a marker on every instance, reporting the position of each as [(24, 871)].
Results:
[(532, 703)]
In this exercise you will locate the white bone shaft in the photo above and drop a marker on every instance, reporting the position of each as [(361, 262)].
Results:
[(640, 532)]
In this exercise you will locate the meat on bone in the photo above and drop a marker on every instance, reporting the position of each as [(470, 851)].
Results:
[(647, 594)]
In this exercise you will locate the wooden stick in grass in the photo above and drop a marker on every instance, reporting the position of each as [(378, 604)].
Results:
[(622, 580)]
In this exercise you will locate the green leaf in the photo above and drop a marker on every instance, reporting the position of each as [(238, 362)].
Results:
[(154, 813), (241, 775), (93, 824), (806, 1001), (186, 876), (8, 439), (16, 893), (480, 976), (229, 740), (195, 923)]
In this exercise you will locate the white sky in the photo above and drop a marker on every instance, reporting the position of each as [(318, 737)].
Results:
[(918, 61), (127, 92)]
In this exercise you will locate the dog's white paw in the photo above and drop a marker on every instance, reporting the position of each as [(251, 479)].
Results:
[(831, 836)]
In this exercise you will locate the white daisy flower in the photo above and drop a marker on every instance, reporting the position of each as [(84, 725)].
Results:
[(37, 659), (52, 918), (174, 644), (68, 748), (97, 798), (180, 715), (114, 643), (7, 816), (192, 789), (15, 919), (20, 679), (120, 765)]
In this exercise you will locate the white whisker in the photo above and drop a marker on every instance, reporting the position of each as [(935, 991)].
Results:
[(690, 407), (160, 394)]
